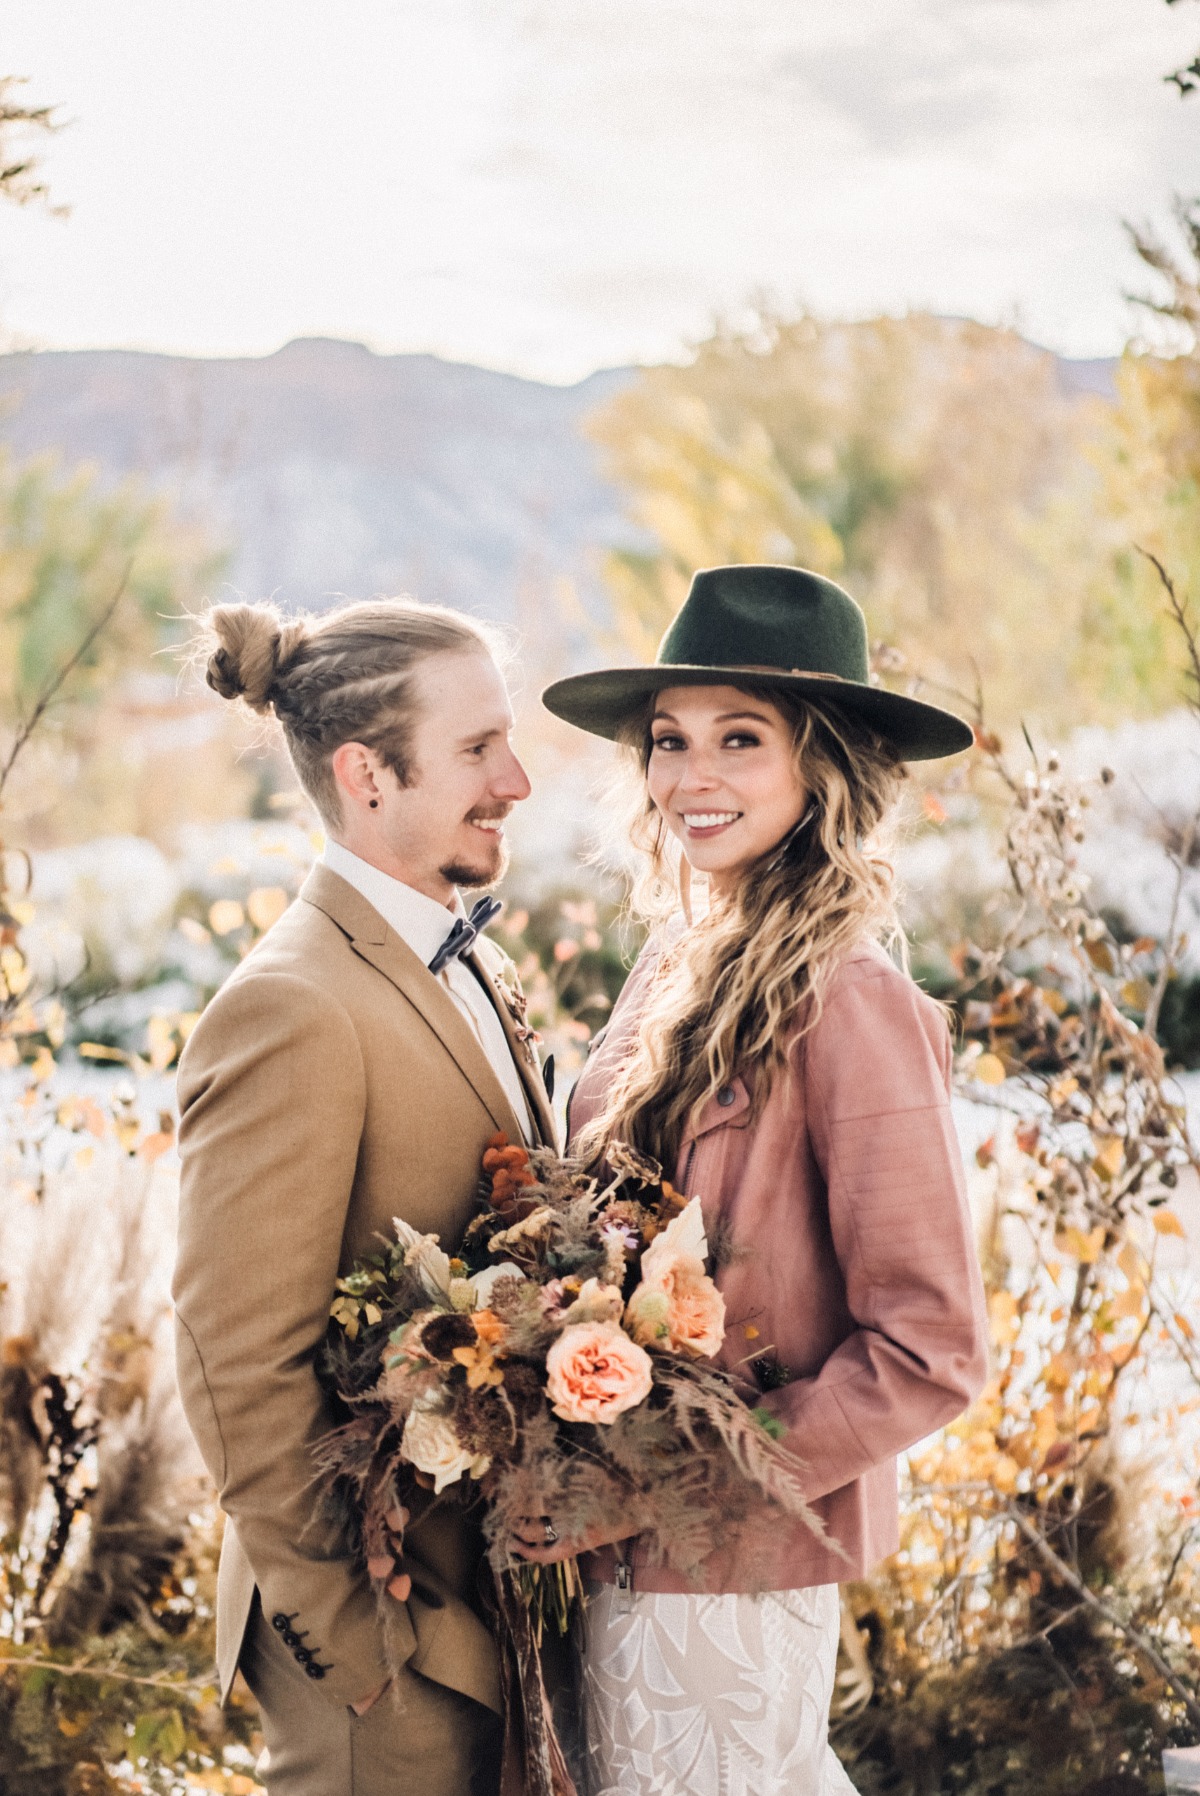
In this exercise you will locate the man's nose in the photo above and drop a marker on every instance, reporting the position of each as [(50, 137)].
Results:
[(512, 782)]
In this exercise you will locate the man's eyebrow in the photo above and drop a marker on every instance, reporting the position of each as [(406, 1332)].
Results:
[(482, 735)]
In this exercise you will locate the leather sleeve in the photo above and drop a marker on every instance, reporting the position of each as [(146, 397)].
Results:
[(876, 1073), (272, 1096)]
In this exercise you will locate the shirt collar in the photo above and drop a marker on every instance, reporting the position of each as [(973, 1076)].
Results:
[(421, 922)]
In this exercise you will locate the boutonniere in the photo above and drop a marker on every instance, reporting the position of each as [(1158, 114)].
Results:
[(517, 1005)]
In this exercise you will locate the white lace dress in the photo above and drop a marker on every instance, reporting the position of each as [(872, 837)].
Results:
[(711, 1695)]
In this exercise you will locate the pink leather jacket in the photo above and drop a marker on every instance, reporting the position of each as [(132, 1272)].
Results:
[(853, 1257)]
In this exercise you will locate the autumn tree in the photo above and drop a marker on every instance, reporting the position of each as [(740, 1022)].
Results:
[(941, 468)]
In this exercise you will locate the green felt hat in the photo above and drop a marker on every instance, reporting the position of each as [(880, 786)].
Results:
[(743, 625)]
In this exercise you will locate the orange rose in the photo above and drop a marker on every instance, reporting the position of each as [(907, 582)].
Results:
[(677, 1305), (595, 1372)]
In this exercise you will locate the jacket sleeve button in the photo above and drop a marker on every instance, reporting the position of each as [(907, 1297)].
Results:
[(314, 1670), (280, 1622), (726, 1096)]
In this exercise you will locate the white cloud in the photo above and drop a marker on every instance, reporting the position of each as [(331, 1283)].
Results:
[(548, 185)]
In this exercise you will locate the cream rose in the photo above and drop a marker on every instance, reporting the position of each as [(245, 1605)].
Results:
[(677, 1305), (595, 1373), (431, 1444)]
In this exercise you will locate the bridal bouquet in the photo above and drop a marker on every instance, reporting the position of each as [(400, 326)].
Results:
[(559, 1363)]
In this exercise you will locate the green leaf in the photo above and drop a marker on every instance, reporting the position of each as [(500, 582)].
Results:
[(171, 1738), (769, 1423)]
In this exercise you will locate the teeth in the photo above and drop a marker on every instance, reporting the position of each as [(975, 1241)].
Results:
[(709, 819), (494, 824)]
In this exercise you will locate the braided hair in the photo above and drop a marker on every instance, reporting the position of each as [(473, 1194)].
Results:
[(347, 676)]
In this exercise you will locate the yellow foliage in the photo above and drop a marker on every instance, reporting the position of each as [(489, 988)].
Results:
[(937, 467), (1084, 1248), (988, 1069), (265, 905), (1167, 1223), (1111, 1157), (1004, 1313), (225, 916)]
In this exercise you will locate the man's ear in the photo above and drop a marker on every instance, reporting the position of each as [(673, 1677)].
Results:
[(357, 770)]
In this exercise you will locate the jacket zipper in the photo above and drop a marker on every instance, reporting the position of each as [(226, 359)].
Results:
[(623, 1569)]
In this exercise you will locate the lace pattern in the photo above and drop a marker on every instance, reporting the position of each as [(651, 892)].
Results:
[(711, 1695)]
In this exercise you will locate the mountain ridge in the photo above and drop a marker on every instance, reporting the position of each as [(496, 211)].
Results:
[(331, 471)]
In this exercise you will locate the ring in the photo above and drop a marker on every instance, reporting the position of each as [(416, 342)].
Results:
[(550, 1534)]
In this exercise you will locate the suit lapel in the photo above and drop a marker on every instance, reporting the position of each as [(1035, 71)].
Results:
[(523, 1051), (376, 943)]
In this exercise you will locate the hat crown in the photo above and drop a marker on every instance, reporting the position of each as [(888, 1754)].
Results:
[(762, 616)]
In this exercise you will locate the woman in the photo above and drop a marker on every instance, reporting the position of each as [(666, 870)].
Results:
[(774, 1057)]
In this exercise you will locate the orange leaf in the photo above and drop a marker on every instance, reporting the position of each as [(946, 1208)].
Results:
[(1109, 1160), (1167, 1223), (989, 1070), (152, 1146)]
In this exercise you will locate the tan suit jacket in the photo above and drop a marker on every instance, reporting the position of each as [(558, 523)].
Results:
[(331, 1084)]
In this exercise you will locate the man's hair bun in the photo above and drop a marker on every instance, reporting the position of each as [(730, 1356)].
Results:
[(253, 647)]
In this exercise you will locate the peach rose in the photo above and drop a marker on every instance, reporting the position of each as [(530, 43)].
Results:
[(677, 1305), (595, 1372)]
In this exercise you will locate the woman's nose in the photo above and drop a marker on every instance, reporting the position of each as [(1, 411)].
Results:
[(697, 775)]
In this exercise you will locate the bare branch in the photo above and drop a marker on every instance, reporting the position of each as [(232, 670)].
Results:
[(56, 682), (109, 1673), (1074, 1582), (18, 173)]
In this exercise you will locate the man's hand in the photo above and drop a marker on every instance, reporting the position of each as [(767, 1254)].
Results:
[(368, 1702)]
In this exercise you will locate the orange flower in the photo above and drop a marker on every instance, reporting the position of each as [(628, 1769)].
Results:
[(677, 1305), (480, 1360), (595, 1373)]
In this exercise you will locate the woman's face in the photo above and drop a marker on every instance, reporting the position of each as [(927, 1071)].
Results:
[(721, 771)]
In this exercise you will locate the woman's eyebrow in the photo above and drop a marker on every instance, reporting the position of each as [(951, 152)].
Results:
[(729, 716)]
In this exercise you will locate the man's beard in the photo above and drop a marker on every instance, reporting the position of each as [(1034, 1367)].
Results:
[(477, 879)]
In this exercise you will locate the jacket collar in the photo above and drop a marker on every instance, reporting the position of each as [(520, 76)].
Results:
[(373, 941), (729, 1105)]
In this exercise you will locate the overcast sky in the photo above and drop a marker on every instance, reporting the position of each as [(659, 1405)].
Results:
[(550, 186)]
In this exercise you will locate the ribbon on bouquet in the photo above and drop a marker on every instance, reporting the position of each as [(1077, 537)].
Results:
[(533, 1764)]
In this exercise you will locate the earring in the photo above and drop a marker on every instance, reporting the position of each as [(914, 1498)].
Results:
[(374, 802)]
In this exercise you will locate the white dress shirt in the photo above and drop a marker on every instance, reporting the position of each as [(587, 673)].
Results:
[(423, 925)]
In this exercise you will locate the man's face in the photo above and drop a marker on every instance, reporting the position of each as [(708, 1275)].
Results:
[(446, 828)]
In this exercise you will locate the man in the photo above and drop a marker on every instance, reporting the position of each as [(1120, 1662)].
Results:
[(334, 1082)]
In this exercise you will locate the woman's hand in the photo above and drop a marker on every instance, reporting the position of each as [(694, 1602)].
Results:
[(531, 1541)]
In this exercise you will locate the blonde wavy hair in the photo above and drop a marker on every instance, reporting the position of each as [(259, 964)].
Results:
[(735, 992), (346, 676)]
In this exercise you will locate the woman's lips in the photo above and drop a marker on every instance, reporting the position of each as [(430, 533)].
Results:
[(702, 824)]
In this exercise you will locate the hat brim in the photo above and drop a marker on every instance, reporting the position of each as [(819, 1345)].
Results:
[(603, 701)]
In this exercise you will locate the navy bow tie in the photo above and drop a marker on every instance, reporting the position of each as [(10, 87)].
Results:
[(462, 936)]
